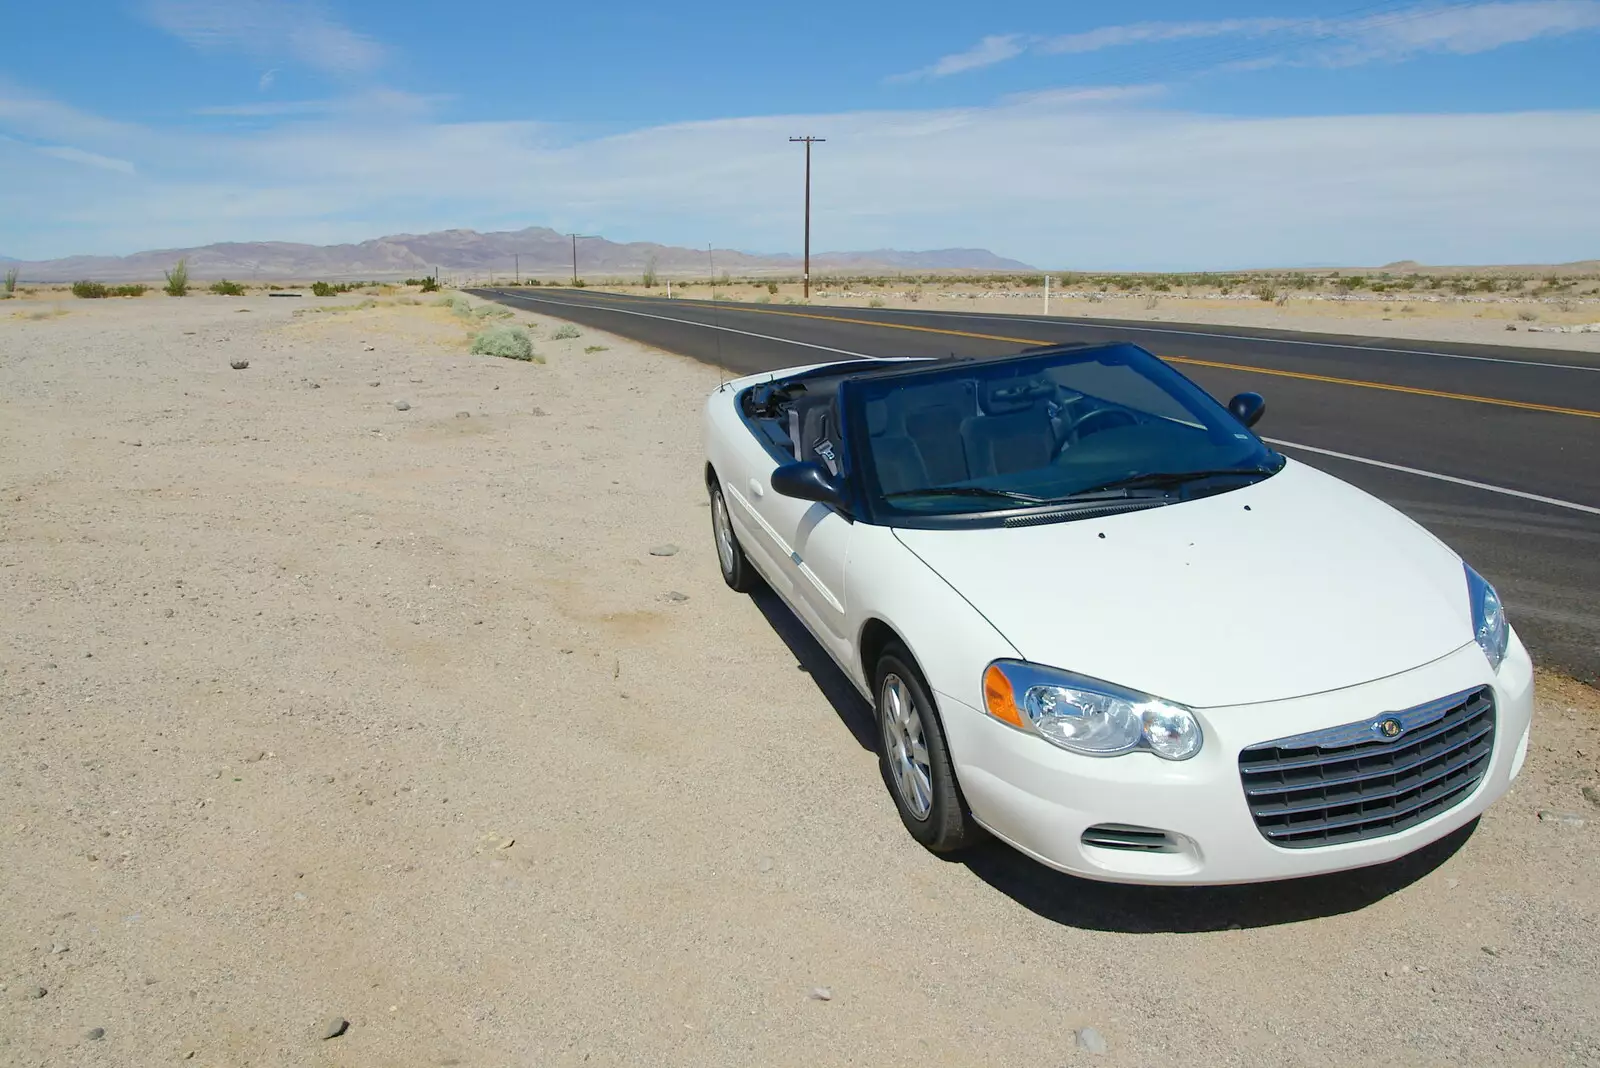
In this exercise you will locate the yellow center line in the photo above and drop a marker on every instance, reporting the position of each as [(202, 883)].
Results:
[(1306, 376)]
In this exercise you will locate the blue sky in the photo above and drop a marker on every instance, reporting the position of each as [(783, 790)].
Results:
[(1161, 135)]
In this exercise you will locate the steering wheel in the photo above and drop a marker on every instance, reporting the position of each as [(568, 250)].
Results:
[(1094, 422)]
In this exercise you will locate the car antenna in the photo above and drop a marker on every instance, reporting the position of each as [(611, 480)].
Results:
[(722, 374)]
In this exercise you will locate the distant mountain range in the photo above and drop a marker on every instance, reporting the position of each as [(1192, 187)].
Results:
[(535, 251)]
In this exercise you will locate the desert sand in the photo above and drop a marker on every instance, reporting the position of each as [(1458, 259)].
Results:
[(318, 710)]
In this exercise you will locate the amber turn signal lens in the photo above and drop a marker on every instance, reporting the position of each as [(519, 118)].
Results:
[(999, 698)]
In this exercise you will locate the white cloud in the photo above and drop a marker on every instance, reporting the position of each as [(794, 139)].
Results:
[(1145, 32), (986, 53), (266, 79), (88, 159), (1097, 178), (292, 30), (1461, 29)]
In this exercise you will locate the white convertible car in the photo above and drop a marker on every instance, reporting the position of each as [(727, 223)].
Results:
[(1101, 620)]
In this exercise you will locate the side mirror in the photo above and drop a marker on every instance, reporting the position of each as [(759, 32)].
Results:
[(1248, 407), (807, 481)]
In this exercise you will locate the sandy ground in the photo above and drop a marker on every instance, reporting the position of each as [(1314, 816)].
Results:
[(315, 708), (1480, 320)]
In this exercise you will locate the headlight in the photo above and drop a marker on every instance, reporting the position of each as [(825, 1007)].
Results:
[(1085, 715), (1489, 626)]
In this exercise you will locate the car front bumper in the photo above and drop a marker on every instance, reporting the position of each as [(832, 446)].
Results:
[(1041, 799)]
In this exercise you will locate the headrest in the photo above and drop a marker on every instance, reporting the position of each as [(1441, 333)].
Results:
[(1014, 394), (877, 417)]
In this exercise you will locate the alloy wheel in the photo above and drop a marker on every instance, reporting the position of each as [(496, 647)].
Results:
[(723, 530), (906, 746)]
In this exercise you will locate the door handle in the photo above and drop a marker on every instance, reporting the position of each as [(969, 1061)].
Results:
[(755, 488)]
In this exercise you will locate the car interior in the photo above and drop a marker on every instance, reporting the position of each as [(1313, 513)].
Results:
[(980, 429)]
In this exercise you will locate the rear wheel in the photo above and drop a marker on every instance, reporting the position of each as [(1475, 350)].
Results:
[(915, 760), (736, 569)]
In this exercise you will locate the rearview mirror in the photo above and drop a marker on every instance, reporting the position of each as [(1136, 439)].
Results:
[(807, 481), (1247, 408)]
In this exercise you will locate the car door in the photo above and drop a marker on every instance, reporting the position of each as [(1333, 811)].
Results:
[(809, 540), (814, 542), (746, 482)]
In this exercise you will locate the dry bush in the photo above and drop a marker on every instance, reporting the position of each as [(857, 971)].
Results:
[(505, 340), (178, 279)]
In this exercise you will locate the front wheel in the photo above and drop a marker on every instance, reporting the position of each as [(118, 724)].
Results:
[(736, 569), (915, 760)]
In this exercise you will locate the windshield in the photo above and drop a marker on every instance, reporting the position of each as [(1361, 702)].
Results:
[(1110, 421)]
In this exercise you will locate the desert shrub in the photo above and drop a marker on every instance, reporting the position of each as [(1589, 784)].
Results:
[(1352, 283), (565, 332), (649, 279), (134, 290), (772, 287), (90, 290), (461, 306), (596, 348), (875, 302), (505, 340), (430, 285), (224, 288), (11, 280), (178, 279), (580, 283), (486, 311), (322, 289), (1528, 316), (536, 282), (1267, 291)]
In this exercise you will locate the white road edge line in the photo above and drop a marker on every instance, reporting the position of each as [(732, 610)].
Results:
[(1092, 324), (1573, 505), (691, 322)]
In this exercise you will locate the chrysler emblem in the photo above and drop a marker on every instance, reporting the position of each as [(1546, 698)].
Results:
[(1389, 727)]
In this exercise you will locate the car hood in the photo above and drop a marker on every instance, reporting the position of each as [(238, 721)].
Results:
[(1298, 584)]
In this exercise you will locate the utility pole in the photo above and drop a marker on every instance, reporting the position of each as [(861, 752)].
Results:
[(711, 259), (806, 278), (517, 256), (575, 238)]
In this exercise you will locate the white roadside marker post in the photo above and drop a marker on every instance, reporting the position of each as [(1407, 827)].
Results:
[(1047, 294)]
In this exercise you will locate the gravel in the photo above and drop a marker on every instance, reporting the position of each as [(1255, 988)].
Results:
[(1091, 1041), (333, 1028), (331, 579)]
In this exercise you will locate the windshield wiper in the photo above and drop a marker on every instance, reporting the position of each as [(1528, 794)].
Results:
[(966, 491), (1172, 478)]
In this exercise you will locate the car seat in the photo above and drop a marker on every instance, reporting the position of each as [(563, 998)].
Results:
[(1013, 433)]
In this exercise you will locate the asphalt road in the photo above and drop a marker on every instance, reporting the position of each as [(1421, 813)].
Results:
[(1495, 449)]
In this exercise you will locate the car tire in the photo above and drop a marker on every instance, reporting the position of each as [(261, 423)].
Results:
[(924, 790), (735, 566)]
